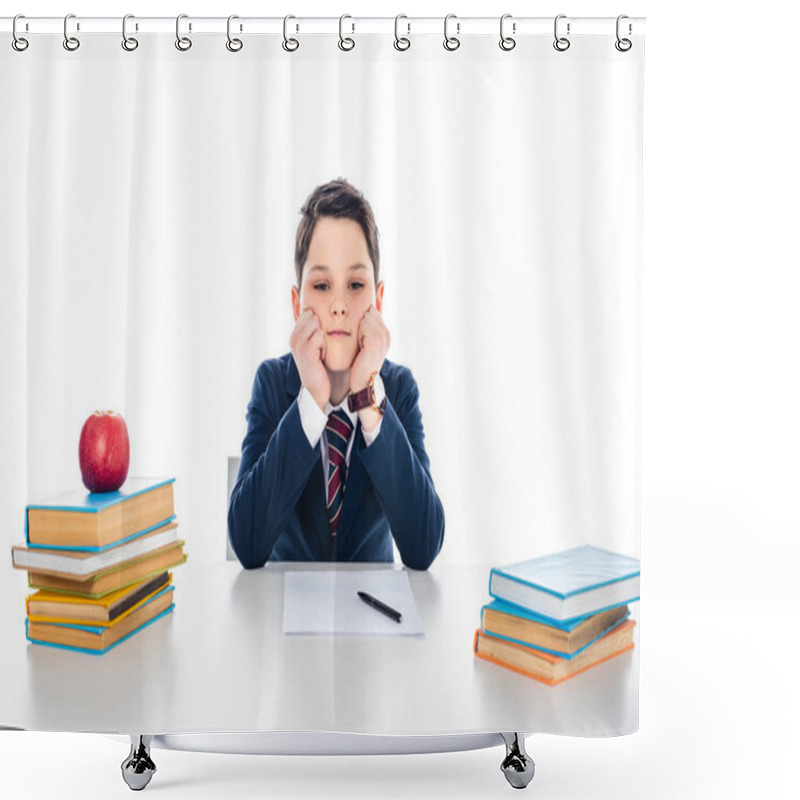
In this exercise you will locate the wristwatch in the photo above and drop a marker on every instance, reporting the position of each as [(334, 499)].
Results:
[(374, 396)]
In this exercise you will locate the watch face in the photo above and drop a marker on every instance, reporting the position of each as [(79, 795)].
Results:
[(378, 390)]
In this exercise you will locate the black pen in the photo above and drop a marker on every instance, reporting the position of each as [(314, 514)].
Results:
[(382, 607)]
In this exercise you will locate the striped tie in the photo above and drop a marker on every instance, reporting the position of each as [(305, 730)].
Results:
[(338, 430)]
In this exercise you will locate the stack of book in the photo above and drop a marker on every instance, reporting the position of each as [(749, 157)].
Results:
[(558, 615), (100, 564)]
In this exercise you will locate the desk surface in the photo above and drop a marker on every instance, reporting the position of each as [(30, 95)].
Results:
[(220, 662)]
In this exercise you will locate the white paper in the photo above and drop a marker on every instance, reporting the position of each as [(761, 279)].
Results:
[(327, 602)]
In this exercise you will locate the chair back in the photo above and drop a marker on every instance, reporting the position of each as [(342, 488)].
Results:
[(233, 471)]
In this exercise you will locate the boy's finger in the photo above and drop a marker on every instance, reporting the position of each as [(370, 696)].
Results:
[(309, 325), (319, 343)]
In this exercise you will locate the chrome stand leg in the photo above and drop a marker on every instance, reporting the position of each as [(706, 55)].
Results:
[(138, 768), (518, 766)]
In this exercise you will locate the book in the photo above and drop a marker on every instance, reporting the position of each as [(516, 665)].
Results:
[(44, 606), (113, 578), (81, 520), (79, 563), (569, 584), (100, 639), (563, 639), (546, 667)]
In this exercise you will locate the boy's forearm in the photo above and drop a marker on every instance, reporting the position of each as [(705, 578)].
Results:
[(405, 491), (267, 490)]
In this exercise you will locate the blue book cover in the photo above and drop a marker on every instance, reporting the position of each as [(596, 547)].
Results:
[(92, 502), (569, 584), (83, 501)]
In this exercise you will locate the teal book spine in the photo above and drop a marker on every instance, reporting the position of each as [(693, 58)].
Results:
[(105, 650)]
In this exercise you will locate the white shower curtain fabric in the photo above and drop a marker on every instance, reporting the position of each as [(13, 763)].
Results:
[(149, 206)]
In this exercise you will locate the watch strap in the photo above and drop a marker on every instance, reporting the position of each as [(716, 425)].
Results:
[(362, 399)]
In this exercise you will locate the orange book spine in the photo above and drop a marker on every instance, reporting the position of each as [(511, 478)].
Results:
[(539, 678)]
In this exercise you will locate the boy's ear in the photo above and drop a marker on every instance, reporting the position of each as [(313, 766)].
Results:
[(296, 302), (379, 297)]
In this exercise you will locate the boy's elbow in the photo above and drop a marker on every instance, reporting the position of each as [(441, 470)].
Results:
[(237, 537), (247, 559), (423, 559)]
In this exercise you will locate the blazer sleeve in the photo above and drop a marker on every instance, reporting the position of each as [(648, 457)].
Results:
[(399, 469), (275, 466)]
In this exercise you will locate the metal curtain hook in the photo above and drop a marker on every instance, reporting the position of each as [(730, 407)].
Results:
[(128, 42), (70, 42), (506, 42), (451, 42), (181, 42), (290, 45), (561, 43), (401, 43), (234, 45), (623, 45), (345, 43), (18, 43)]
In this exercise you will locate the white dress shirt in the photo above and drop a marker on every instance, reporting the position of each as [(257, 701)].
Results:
[(314, 420)]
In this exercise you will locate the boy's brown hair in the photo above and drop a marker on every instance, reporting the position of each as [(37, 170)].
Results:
[(340, 199)]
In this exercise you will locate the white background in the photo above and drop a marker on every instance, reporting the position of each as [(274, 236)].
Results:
[(721, 435)]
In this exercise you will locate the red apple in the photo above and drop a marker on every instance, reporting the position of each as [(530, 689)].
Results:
[(104, 451)]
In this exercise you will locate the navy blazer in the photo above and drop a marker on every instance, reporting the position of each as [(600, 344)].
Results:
[(277, 508)]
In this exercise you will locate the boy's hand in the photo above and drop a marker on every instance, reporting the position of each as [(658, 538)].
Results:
[(307, 343), (373, 344)]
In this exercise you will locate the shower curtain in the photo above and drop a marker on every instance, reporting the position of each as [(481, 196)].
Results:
[(150, 201)]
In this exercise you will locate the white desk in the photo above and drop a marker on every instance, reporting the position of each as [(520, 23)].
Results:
[(220, 662)]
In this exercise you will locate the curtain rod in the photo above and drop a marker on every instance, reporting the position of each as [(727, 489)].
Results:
[(326, 25)]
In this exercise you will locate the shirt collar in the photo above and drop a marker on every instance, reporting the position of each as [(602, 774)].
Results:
[(352, 415)]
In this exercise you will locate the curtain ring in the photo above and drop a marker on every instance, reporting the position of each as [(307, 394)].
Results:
[(290, 45), (623, 45), (183, 43), (451, 42), (506, 42), (70, 42), (18, 43), (561, 43), (401, 43), (128, 42), (345, 43), (234, 45)]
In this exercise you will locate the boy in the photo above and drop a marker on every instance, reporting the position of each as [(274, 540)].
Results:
[(333, 464)]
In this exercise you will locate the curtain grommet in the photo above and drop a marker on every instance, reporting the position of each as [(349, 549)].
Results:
[(506, 42), (451, 43), (129, 43), (345, 42), (70, 43), (19, 43), (289, 44), (561, 43), (401, 43), (183, 43), (234, 45)]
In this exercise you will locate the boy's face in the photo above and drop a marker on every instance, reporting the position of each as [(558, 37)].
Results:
[(338, 285)]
